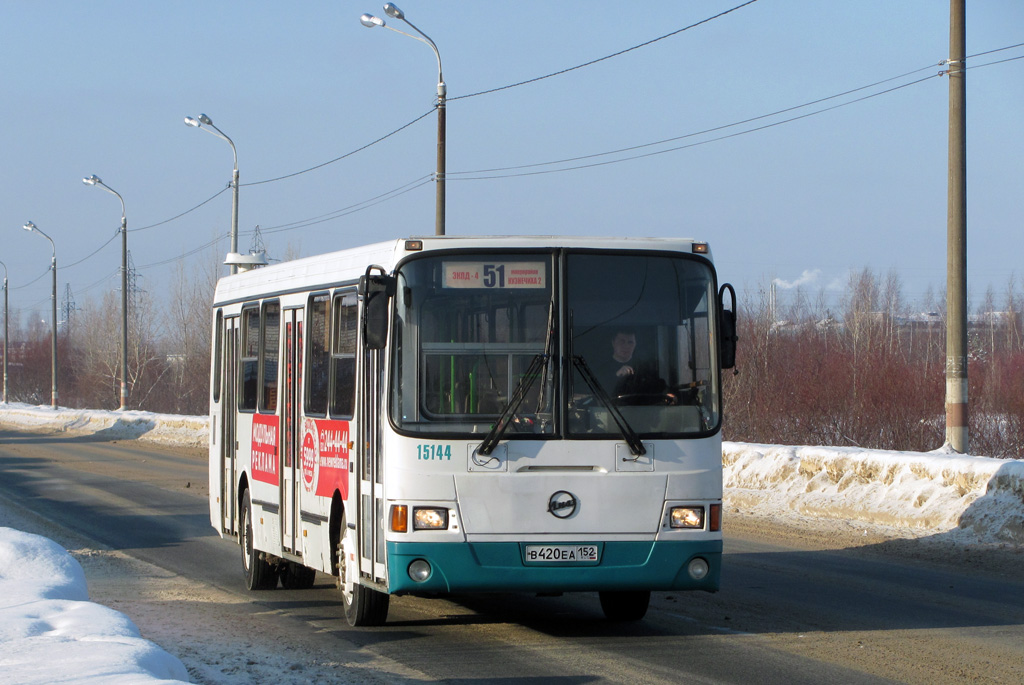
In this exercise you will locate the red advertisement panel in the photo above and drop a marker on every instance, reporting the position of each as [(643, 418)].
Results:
[(264, 448), (325, 457)]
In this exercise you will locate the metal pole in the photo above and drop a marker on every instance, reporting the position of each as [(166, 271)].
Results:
[(5, 334), (124, 312), (956, 236), (441, 135), (53, 335), (234, 211)]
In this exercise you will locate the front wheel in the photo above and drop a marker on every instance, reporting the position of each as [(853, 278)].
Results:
[(363, 606), (625, 605), (259, 574)]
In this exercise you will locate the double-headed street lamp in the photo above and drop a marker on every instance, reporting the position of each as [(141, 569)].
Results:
[(32, 228), (369, 21), (94, 180), (204, 120)]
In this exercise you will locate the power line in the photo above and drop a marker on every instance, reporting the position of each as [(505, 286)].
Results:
[(351, 209), (682, 147), (187, 211), (347, 154), (602, 59), (697, 133)]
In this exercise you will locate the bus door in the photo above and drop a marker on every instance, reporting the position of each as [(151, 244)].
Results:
[(289, 453), (228, 439), (369, 445)]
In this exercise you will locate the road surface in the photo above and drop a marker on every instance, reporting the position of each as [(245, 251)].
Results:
[(809, 606)]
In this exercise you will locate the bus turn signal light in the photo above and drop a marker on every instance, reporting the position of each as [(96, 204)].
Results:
[(399, 518)]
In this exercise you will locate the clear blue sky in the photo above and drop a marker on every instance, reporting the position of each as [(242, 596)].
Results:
[(103, 87)]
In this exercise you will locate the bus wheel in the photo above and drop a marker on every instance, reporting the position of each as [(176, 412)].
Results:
[(628, 605), (363, 606), (297, 577), (259, 575)]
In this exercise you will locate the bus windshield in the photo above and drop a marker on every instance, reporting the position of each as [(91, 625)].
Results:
[(473, 330), (468, 327), (640, 326)]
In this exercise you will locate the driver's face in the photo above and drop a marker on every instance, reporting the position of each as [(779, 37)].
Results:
[(623, 345)]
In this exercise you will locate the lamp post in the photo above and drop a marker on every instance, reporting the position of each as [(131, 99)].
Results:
[(96, 181), (31, 227), (369, 21), (5, 331), (204, 120)]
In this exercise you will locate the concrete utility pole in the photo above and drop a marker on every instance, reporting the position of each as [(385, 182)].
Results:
[(956, 235)]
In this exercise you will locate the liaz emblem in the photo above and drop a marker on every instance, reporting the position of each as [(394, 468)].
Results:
[(562, 504)]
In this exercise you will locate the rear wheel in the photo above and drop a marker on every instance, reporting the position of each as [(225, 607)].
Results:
[(259, 575), (297, 577), (363, 606), (625, 605)]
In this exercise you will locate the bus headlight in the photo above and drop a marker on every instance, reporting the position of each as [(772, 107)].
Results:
[(429, 518), (687, 517)]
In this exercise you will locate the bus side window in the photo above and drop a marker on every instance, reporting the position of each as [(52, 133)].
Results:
[(248, 366), (319, 357), (218, 351), (271, 353), (343, 354)]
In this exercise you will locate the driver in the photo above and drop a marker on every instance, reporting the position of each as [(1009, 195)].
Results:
[(619, 374)]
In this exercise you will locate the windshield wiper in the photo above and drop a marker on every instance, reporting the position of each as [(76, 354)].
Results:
[(628, 434), (519, 394), (501, 425)]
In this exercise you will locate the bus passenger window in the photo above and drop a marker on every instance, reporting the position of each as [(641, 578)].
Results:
[(318, 369), (248, 367), (271, 352), (343, 355)]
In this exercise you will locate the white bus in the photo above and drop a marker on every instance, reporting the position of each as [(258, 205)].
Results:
[(474, 414)]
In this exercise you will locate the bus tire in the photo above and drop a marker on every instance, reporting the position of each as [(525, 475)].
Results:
[(297, 577), (259, 574), (363, 606), (625, 605)]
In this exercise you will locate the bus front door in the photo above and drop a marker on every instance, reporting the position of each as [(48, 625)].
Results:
[(369, 451), (228, 441), (289, 453)]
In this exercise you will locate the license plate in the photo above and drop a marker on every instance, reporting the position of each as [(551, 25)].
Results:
[(561, 554)]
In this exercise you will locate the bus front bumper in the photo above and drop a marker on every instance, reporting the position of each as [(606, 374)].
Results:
[(502, 567)]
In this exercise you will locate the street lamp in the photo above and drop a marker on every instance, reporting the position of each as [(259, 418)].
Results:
[(204, 120), (94, 180), (31, 227), (5, 331), (370, 21)]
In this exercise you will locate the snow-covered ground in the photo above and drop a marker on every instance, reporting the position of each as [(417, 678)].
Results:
[(50, 632)]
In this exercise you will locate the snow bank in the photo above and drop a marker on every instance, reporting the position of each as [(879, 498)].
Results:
[(921, 493), (917, 493), (51, 633), (168, 429)]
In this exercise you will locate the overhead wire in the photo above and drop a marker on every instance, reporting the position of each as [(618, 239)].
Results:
[(602, 59), (493, 173), (347, 154), (697, 133)]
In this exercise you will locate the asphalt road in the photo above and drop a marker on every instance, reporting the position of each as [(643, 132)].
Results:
[(795, 607)]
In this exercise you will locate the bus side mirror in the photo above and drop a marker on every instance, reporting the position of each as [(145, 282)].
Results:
[(376, 291), (727, 328)]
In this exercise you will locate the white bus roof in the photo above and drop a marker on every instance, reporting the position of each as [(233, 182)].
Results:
[(346, 266)]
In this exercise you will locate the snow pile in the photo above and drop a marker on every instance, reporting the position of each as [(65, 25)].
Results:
[(919, 493), (914, 493), (51, 633), (168, 429)]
